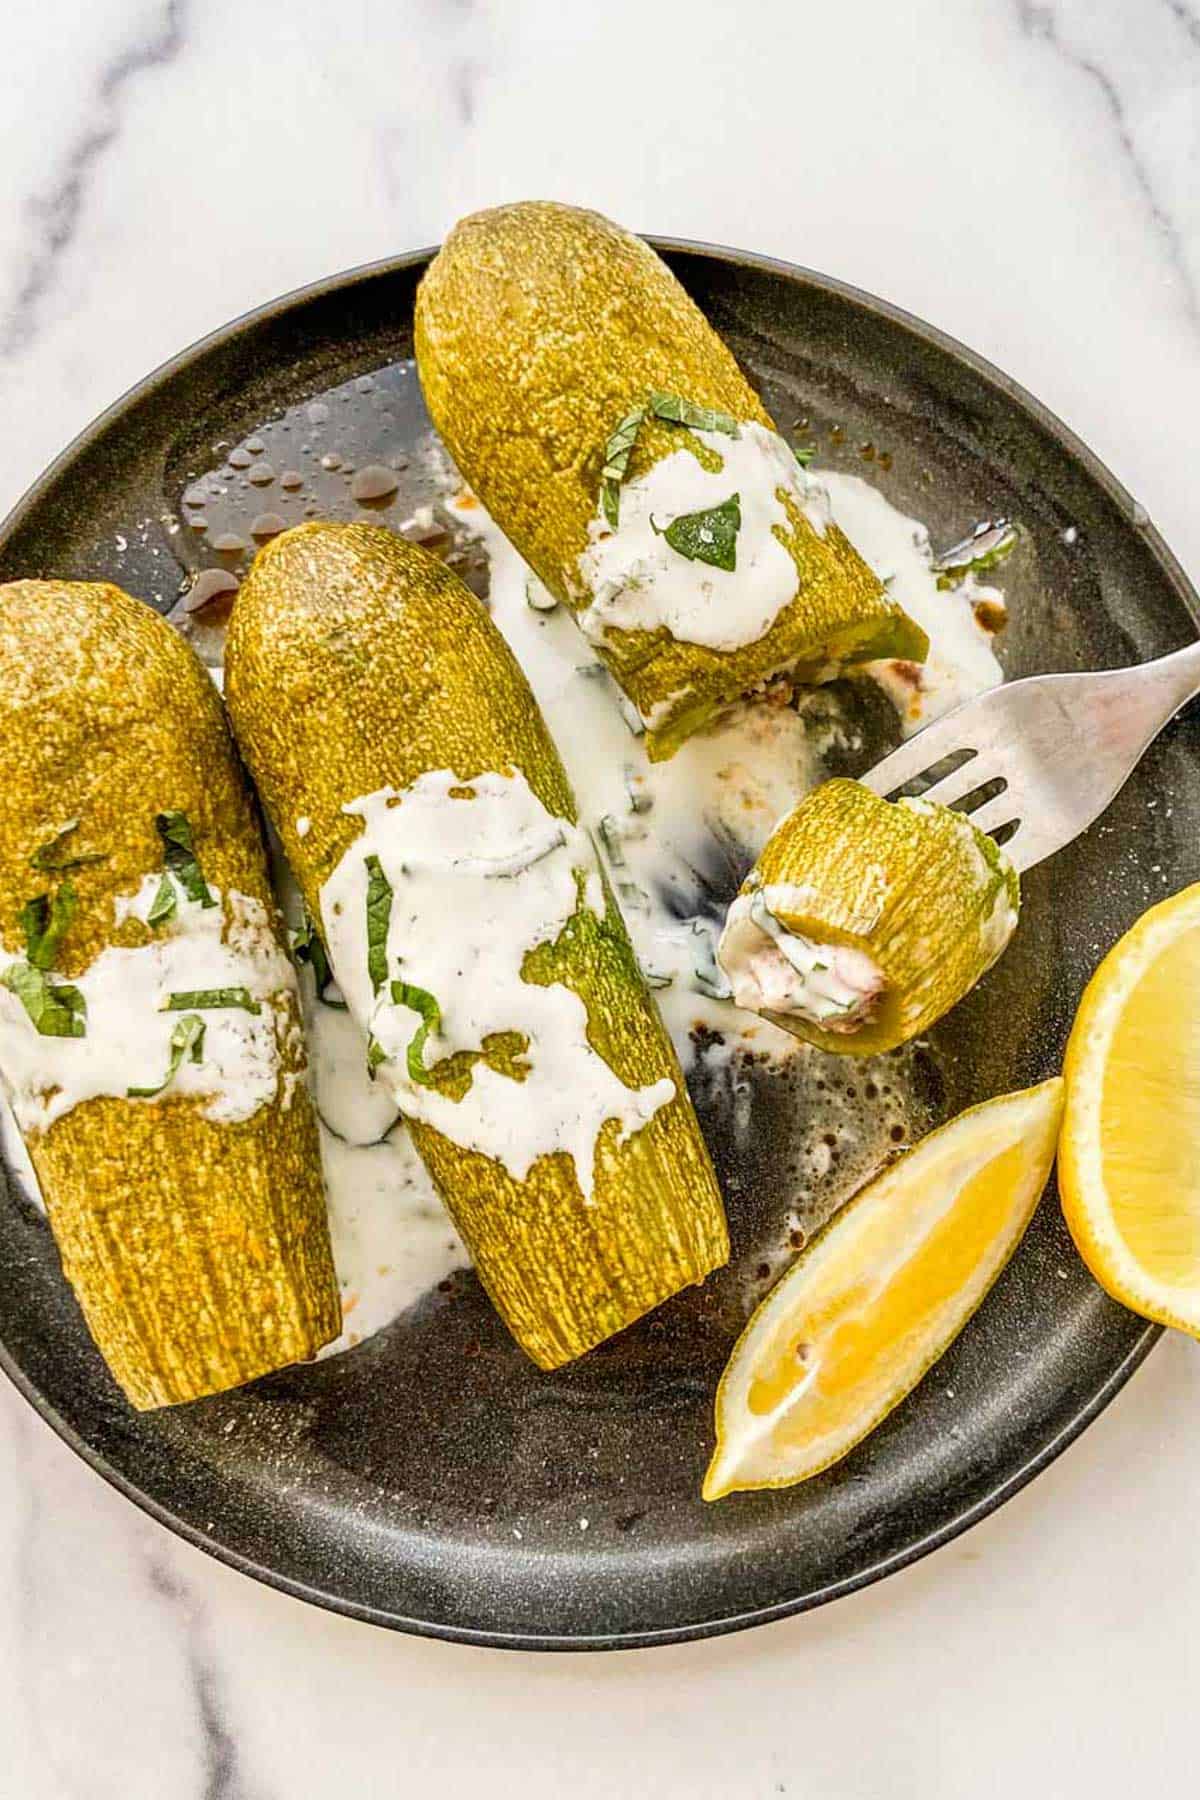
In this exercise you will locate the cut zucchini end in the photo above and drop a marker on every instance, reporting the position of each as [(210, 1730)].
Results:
[(928, 900)]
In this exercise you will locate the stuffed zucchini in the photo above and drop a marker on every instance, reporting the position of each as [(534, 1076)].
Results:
[(403, 761), (614, 439), (863, 920), (150, 1041)]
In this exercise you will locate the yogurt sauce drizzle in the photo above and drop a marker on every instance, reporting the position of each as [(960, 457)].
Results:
[(832, 985), (675, 828), (638, 582), (720, 796), (481, 874), (962, 658), (244, 1056)]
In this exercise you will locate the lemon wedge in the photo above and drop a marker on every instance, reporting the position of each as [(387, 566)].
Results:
[(1130, 1156), (880, 1294)]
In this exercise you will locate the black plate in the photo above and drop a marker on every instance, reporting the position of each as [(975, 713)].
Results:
[(432, 1479)]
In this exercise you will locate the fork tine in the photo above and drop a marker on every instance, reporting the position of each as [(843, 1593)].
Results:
[(961, 783), (996, 812), (912, 759)]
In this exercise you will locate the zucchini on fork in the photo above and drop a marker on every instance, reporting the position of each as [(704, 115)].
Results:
[(864, 920)]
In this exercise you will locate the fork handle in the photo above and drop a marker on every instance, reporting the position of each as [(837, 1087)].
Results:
[(1150, 694), (1179, 674)]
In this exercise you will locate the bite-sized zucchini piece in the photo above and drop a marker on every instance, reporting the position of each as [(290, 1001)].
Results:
[(613, 438), (864, 920), (150, 1040), (423, 807)]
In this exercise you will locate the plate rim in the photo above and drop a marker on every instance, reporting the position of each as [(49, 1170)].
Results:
[(142, 391)]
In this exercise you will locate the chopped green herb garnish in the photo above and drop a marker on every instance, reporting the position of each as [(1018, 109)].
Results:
[(376, 1054), (672, 409), (617, 452), (379, 913), (196, 999), (709, 536), (308, 947), (179, 853), (56, 1008), (187, 1038), (675, 411), (404, 993), (45, 922), (987, 545), (804, 454), (610, 834), (45, 857), (162, 907), (707, 974)]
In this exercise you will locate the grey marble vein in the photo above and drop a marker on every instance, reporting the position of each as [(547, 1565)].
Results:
[(223, 1778), (56, 213), (1040, 22), (1185, 17)]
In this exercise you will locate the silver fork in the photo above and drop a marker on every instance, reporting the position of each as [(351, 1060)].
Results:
[(1035, 762)]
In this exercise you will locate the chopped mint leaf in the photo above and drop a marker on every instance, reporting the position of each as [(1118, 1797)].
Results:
[(45, 922), (672, 409), (707, 974), (379, 913), (186, 1039), (308, 947), (179, 854), (987, 545), (195, 999), (162, 907), (46, 856), (632, 897), (617, 452), (610, 834), (56, 1008), (675, 411), (404, 993), (707, 537), (630, 713)]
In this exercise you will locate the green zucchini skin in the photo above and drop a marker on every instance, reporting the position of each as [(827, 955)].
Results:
[(357, 661), (931, 899), (199, 1251), (538, 328)]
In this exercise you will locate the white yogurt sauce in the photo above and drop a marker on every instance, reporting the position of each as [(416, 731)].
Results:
[(771, 968), (675, 825), (128, 1029), (481, 875), (638, 581), (722, 794), (962, 657), (392, 1240)]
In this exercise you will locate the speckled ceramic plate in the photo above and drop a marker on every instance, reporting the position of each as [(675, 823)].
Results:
[(432, 1479)]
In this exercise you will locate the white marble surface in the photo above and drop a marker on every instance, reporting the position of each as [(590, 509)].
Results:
[(1026, 176)]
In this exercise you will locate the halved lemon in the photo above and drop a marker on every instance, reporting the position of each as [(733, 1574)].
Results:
[(880, 1294), (1129, 1166)]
